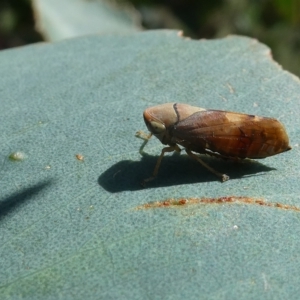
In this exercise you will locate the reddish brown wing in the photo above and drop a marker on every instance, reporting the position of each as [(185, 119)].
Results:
[(232, 134)]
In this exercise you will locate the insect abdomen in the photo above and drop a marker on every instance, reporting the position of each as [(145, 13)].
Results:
[(232, 134)]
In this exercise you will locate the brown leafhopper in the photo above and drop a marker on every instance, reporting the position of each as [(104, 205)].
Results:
[(223, 134)]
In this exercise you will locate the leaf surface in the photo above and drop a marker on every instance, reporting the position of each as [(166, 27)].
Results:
[(75, 222)]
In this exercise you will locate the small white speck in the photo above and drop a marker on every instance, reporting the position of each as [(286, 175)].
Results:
[(255, 104), (265, 280), (48, 167), (235, 227), (296, 145)]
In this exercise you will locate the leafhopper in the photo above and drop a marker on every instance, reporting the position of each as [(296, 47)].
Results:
[(218, 133)]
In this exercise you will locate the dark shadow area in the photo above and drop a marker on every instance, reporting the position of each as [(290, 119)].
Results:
[(176, 169), (12, 202)]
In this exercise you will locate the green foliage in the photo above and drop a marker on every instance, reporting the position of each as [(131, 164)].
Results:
[(76, 227), (290, 10)]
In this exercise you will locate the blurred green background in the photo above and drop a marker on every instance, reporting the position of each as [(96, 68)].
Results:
[(273, 22)]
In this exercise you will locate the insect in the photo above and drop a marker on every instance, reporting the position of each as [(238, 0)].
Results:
[(218, 133)]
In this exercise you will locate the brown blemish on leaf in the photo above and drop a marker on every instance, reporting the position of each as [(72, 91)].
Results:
[(79, 157), (221, 200)]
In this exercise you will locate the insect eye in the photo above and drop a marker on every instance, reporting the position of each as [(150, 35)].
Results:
[(156, 127)]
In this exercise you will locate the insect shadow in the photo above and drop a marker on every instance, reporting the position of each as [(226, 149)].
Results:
[(127, 175)]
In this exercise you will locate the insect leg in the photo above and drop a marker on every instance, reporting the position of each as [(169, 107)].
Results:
[(146, 137), (223, 177), (163, 151)]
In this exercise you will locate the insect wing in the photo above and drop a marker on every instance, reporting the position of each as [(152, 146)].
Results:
[(232, 134)]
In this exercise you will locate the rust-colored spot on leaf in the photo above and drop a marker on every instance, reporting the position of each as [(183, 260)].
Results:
[(221, 200), (182, 201)]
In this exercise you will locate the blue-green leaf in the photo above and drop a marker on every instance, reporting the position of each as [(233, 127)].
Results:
[(75, 222)]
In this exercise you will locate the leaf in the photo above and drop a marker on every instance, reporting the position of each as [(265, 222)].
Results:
[(74, 220), (60, 19)]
